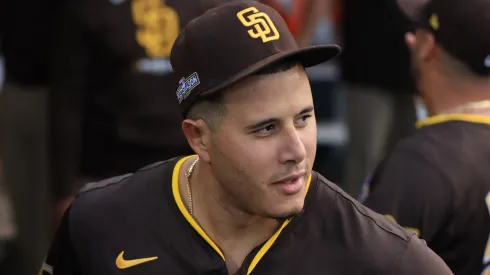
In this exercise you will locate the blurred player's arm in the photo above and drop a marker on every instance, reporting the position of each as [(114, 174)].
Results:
[(70, 59), (61, 258), (421, 260), (411, 191)]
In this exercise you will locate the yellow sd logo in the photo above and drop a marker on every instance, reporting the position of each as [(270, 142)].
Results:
[(261, 22), (157, 26)]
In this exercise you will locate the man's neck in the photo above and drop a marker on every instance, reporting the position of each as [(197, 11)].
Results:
[(236, 232), (442, 95)]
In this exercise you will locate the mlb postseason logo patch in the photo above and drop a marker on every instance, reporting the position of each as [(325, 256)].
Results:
[(186, 85)]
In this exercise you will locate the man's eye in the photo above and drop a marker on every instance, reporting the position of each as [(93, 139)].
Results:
[(266, 129), (303, 120)]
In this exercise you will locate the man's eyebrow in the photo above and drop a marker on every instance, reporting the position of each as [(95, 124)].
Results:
[(306, 110), (268, 121)]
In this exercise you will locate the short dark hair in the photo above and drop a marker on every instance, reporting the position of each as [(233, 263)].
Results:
[(212, 108)]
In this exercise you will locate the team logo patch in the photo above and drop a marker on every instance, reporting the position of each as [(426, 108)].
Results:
[(186, 85), (260, 23)]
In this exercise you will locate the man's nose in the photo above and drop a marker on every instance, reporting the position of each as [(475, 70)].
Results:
[(293, 149)]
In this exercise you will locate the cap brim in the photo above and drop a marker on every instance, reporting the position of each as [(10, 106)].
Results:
[(307, 57), (412, 8)]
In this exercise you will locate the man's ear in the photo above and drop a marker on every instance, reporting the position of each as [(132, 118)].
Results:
[(198, 136), (428, 49), (422, 44), (410, 40)]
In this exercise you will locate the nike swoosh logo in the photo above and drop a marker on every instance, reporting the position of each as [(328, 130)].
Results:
[(121, 263)]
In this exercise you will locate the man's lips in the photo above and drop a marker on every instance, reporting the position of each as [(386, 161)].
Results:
[(291, 184), (290, 178)]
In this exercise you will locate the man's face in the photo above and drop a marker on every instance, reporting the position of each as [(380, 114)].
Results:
[(264, 151)]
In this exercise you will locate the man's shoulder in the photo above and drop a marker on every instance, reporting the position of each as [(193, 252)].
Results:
[(360, 232), (440, 140), (145, 173), (124, 192), (352, 211), (445, 151), (379, 244)]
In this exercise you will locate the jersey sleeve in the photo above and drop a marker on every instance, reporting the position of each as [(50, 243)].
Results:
[(421, 260), (411, 191), (61, 258)]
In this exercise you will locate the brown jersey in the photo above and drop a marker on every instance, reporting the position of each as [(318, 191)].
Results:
[(138, 224), (437, 184)]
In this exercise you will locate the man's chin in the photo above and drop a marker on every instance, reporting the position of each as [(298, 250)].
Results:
[(287, 214)]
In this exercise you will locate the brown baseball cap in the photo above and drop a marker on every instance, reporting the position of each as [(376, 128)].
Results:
[(461, 27), (232, 41)]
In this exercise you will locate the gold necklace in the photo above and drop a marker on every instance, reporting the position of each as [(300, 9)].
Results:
[(188, 182)]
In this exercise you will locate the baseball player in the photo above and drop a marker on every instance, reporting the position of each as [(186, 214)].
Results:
[(248, 201), (436, 182)]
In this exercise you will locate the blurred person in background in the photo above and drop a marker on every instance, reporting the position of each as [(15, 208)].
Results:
[(377, 83), (25, 30), (113, 105), (436, 182), (301, 16), (10, 261), (7, 223)]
